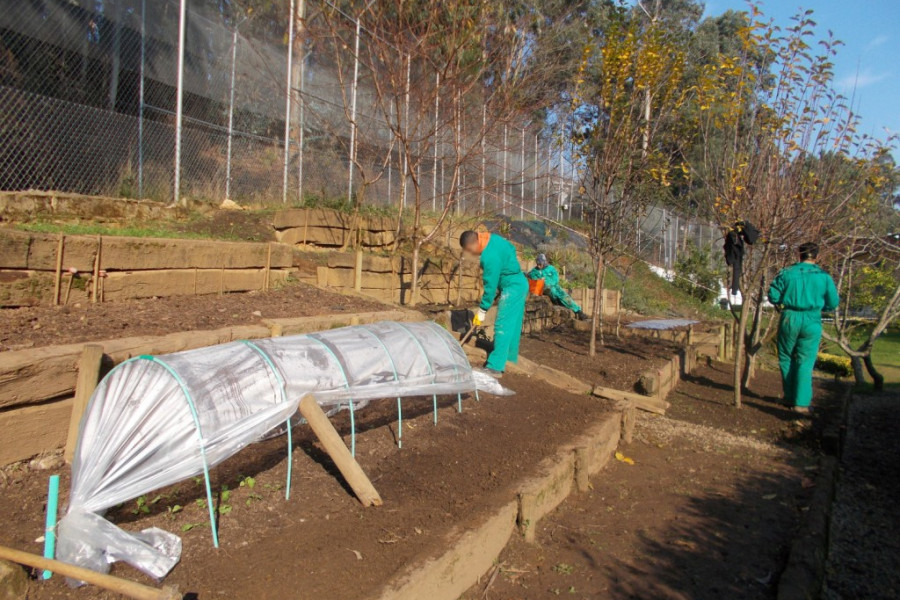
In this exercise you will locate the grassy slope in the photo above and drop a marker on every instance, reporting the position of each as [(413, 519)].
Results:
[(885, 354)]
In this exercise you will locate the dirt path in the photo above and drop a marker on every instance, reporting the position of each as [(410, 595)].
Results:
[(707, 510), (864, 557)]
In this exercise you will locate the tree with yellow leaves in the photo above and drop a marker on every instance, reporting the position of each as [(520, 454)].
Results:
[(773, 131), (627, 88)]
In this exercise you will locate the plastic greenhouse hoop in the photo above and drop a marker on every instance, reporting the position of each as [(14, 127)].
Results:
[(347, 386), (190, 401), (280, 380), (427, 360), (455, 368), (397, 379)]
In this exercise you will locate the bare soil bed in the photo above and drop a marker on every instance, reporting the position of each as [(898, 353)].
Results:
[(706, 511), (321, 543), (49, 325), (616, 365)]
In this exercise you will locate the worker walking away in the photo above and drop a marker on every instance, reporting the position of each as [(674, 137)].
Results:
[(544, 270), (801, 292), (501, 273)]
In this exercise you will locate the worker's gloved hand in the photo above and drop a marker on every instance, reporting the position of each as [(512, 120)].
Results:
[(480, 316)]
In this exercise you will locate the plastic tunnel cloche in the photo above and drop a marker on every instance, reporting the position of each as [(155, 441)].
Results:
[(155, 421)]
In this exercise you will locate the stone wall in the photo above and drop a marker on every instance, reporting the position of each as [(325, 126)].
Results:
[(332, 229)]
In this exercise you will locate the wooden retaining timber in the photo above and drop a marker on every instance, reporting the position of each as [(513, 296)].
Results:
[(37, 385), (32, 266)]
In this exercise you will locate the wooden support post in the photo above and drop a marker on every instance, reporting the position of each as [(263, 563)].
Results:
[(527, 519), (723, 348), (95, 276), (88, 376), (647, 403), (276, 330), (268, 266), (59, 261), (582, 468), (357, 272), (131, 589), (335, 448)]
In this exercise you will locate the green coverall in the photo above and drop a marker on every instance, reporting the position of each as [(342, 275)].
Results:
[(501, 270), (551, 285), (801, 291)]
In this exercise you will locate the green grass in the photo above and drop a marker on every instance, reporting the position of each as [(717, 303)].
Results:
[(648, 293), (885, 353), (154, 231)]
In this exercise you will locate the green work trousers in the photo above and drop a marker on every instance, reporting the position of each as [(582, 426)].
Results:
[(508, 326), (559, 296), (799, 334)]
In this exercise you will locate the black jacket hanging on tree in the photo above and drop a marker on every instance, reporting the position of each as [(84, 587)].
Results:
[(742, 232)]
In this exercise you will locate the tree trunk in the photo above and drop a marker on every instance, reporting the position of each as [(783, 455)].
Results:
[(877, 378), (596, 318), (858, 376), (739, 352), (414, 284)]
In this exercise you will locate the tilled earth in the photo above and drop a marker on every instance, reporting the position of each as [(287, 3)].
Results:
[(84, 322)]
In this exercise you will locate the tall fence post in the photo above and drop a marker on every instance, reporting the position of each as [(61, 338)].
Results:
[(287, 102), (179, 97), (522, 177), (301, 117), (353, 132), (503, 178), (437, 117), (140, 177), (234, 35)]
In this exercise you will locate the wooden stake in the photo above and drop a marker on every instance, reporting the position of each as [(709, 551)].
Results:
[(268, 266), (59, 261), (357, 273), (131, 589), (335, 448), (96, 275), (88, 377)]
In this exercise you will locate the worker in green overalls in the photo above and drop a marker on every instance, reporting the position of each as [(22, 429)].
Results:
[(801, 292), (501, 273), (544, 270)]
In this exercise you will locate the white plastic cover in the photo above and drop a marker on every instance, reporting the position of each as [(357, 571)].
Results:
[(153, 421)]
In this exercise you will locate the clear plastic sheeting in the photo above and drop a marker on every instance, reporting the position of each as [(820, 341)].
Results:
[(154, 421), (661, 324)]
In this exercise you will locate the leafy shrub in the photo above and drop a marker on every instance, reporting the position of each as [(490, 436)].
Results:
[(835, 365)]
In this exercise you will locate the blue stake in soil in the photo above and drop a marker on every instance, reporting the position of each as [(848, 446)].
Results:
[(50, 528), (434, 401)]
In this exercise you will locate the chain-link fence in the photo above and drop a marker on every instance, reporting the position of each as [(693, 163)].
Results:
[(89, 103)]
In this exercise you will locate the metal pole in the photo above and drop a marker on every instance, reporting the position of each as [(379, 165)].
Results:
[(483, 153), (403, 183), (301, 117), (503, 179), (522, 187), (287, 103), (547, 180), (179, 94), (230, 115), (141, 104), (354, 90), (537, 156), (437, 116)]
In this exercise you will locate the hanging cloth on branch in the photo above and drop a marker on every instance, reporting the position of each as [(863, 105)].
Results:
[(742, 232)]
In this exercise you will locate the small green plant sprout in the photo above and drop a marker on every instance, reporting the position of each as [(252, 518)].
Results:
[(188, 526), (248, 482), (253, 497), (141, 507), (201, 503), (224, 497), (173, 510), (564, 569)]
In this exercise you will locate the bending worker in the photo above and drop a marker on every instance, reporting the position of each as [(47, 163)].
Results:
[(544, 270), (801, 292), (500, 272)]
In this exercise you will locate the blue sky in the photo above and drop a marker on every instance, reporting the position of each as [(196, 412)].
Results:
[(870, 60)]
